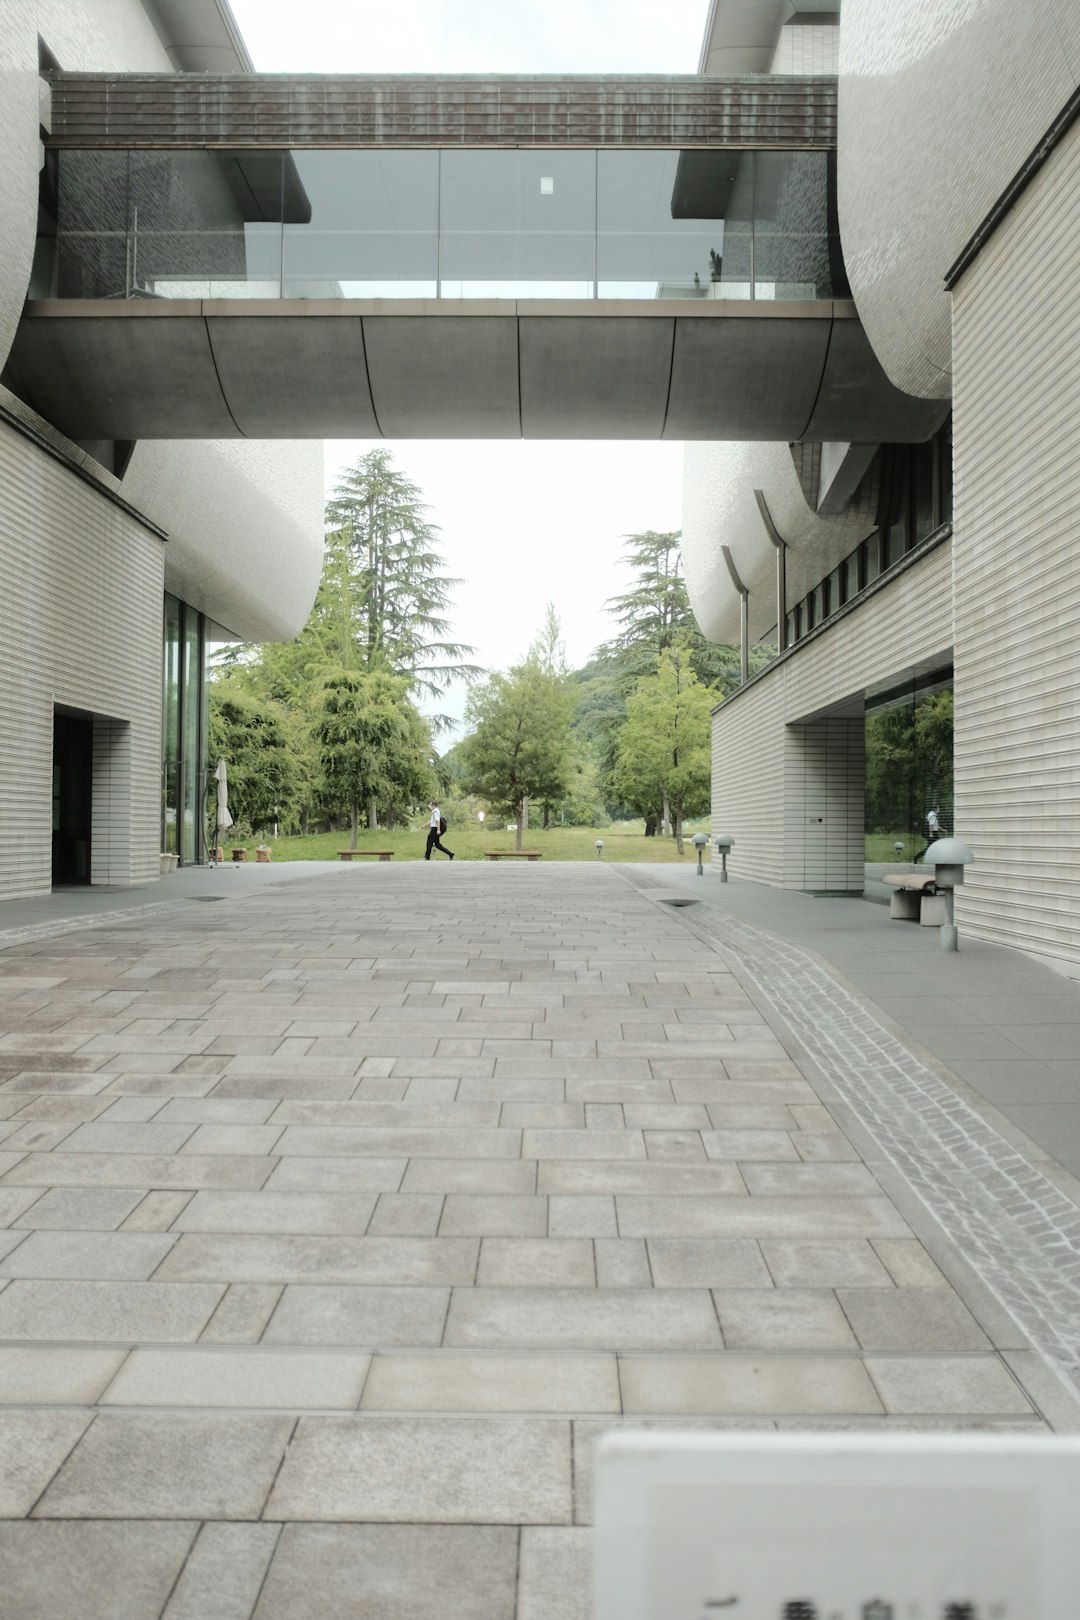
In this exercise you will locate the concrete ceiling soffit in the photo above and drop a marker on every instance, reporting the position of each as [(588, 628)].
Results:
[(576, 373), (103, 378), (746, 378), (444, 376), (294, 369), (496, 370), (857, 401)]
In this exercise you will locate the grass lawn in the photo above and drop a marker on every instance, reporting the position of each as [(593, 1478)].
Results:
[(625, 842), (882, 846)]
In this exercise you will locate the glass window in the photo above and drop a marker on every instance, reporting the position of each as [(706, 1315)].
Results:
[(518, 224), (373, 223), (797, 617), (945, 452), (909, 766), (193, 731), (371, 228), (836, 589), (660, 223), (922, 494), (849, 568), (170, 727), (871, 550)]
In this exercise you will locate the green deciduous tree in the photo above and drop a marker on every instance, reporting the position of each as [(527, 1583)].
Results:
[(520, 743), (663, 749), (653, 614)]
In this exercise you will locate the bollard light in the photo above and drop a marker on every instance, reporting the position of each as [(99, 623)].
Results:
[(948, 857), (723, 842), (899, 846), (599, 849), (700, 843)]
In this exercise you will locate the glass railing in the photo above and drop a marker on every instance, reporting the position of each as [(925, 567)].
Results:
[(383, 223)]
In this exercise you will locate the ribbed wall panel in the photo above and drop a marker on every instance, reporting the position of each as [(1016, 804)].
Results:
[(80, 624), (1016, 338), (326, 110), (779, 764)]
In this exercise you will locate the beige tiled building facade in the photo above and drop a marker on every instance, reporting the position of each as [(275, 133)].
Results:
[(98, 535), (943, 576)]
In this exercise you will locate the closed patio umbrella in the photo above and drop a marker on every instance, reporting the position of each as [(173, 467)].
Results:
[(223, 819)]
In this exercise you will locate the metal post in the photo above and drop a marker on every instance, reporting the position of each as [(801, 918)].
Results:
[(744, 613), (950, 939), (781, 569), (744, 637)]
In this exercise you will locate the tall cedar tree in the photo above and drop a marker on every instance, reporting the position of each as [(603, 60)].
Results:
[(381, 606), (384, 593)]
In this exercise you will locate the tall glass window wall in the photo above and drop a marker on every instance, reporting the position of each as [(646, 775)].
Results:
[(183, 732), (492, 223), (909, 766)]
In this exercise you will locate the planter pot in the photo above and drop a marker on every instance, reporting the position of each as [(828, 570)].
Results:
[(239, 854), (262, 855), (166, 863)]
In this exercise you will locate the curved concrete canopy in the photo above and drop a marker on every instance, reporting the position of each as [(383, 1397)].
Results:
[(741, 35), (721, 510), (459, 370), (200, 36), (939, 107)]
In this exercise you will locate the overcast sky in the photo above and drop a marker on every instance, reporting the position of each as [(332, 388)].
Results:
[(522, 523)]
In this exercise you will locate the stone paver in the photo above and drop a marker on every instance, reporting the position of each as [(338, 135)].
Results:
[(338, 1220)]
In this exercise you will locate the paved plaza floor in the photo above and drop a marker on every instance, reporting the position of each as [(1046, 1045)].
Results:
[(342, 1209)]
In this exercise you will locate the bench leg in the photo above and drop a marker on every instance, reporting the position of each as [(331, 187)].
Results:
[(934, 912), (904, 903), (386, 857)]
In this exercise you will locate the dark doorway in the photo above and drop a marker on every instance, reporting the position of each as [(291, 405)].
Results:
[(72, 792)]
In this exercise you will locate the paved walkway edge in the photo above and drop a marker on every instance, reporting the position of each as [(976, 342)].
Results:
[(995, 1219)]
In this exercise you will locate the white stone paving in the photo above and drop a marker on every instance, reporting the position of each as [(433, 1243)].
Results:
[(338, 1220)]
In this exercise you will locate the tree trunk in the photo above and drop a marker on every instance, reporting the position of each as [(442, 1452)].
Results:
[(650, 826), (522, 818), (665, 818), (355, 823), (372, 814), (547, 817), (678, 831)]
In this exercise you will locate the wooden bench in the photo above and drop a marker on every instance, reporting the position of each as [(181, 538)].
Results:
[(513, 854), (355, 854), (916, 898)]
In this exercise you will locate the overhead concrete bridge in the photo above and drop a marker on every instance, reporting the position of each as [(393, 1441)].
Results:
[(278, 256)]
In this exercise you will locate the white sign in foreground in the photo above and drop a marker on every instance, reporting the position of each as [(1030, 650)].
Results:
[(837, 1527)]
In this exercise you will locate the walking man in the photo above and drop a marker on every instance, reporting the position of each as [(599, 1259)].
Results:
[(436, 827)]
